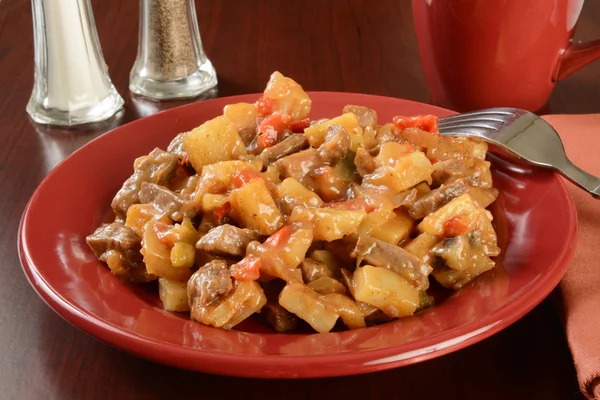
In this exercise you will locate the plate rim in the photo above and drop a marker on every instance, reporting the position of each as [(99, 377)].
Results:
[(363, 361)]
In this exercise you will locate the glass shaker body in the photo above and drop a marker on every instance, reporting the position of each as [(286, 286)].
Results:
[(71, 82), (170, 63)]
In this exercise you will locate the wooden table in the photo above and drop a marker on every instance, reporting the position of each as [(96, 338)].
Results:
[(355, 46)]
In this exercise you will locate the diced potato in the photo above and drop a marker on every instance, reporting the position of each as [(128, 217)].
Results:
[(213, 141), (327, 258), (348, 279), (280, 260), (374, 220), (116, 262), (368, 310), (289, 96), (329, 223), (293, 251), (246, 298), (254, 302), (292, 193), (157, 257), (326, 285), (421, 246), (272, 174), (183, 255), (173, 295), (253, 207), (479, 149), (184, 232), (390, 152), (484, 236), (241, 115), (422, 189), (308, 305), (421, 138), (396, 230), (483, 196), (349, 311), (411, 169), (211, 202), (448, 148), (138, 215), (386, 290), (456, 253), (452, 279), (316, 134), (387, 133), (217, 178), (138, 161), (463, 206)]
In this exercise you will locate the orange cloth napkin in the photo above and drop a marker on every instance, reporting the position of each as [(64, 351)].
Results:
[(580, 288)]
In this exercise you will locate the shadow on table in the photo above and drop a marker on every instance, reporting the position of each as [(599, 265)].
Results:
[(77, 365)]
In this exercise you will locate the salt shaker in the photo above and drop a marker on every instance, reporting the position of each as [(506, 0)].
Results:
[(71, 82), (170, 63)]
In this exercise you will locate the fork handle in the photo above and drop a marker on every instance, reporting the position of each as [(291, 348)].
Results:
[(581, 178)]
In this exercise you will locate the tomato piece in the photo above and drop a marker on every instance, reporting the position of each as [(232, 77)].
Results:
[(272, 127), (244, 176), (264, 106), (300, 126), (221, 212), (279, 237), (455, 226), (425, 122), (248, 269), (267, 137)]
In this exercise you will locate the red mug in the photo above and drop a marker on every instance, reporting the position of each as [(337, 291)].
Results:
[(486, 53)]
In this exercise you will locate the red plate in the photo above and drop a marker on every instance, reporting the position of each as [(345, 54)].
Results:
[(535, 219)]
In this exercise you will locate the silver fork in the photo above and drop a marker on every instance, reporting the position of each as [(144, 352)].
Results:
[(522, 134)]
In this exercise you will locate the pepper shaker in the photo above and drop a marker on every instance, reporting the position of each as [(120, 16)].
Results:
[(71, 82), (170, 62)]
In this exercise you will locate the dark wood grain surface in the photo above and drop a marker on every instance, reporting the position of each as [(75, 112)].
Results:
[(355, 46)]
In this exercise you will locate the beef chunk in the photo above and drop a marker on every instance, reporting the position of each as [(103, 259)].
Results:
[(166, 201), (227, 240), (366, 116), (382, 254), (433, 200), (279, 318), (176, 146), (299, 165), (336, 146), (365, 162), (474, 172), (207, 285), (157, 167), (119, 247), (291, 144), (313, 270)]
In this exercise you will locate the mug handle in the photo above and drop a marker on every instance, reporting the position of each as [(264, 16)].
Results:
[(576, 56)]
